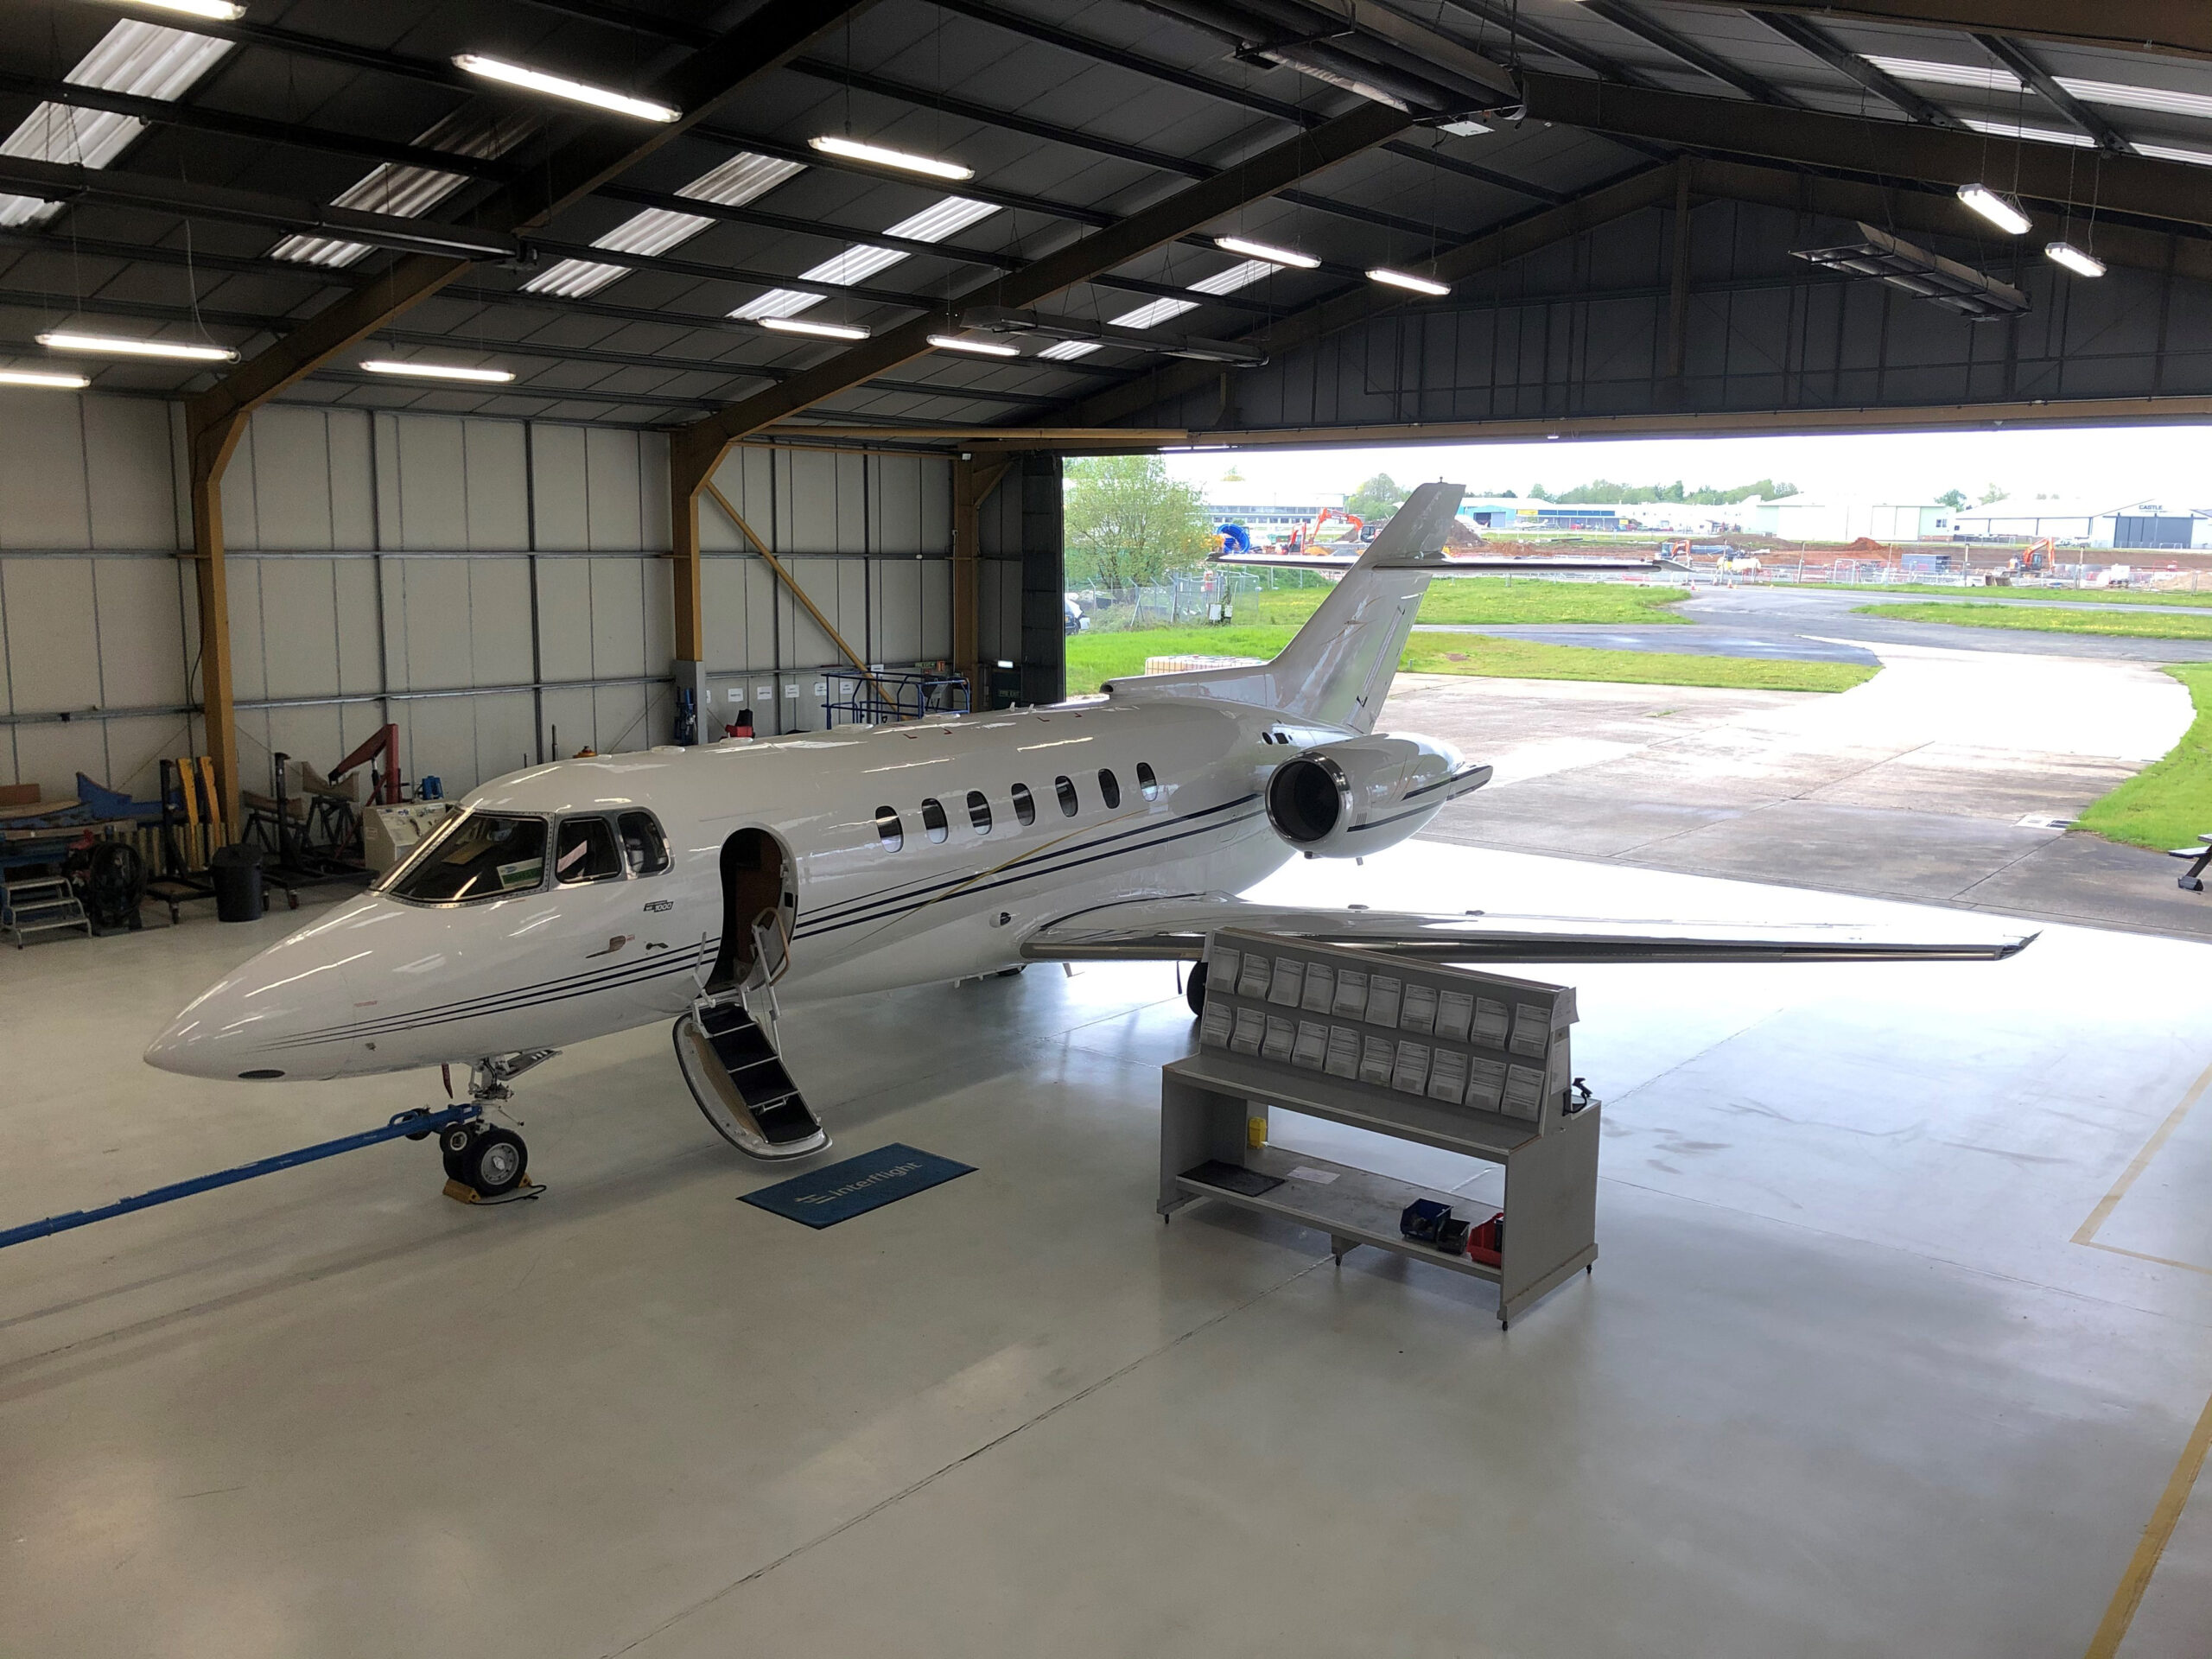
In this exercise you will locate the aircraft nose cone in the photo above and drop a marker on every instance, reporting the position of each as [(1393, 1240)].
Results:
[(259, 1022)]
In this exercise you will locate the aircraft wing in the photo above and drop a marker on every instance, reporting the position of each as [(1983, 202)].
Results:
[(1151, 930), (1476, 564)]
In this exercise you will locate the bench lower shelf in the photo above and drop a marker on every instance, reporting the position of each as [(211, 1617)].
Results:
[(1357, 1206)]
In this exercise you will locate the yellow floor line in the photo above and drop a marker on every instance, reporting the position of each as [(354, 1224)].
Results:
[(2113, 1629), (2145, 1256), (2110, 1202)]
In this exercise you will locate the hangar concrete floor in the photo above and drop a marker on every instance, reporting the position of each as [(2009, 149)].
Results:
[(1902, 1322)]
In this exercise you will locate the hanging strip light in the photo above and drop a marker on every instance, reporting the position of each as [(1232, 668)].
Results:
[(536, 81), (438, 371), (980, 348), (52, 382), (1406, 280), (2081, 263), (1999, 211), (853, 150), (1273, 255), (122, 345), (819, 330)]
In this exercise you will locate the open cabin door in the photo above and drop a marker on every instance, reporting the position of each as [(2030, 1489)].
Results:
[(730, 1057)]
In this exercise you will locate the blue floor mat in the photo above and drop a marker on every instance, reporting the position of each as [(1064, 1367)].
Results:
[(822, 1197)]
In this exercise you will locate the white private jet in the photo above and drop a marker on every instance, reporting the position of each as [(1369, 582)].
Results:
[(710, 885)]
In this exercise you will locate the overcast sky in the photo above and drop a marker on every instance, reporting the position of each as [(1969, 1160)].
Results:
[(2171, 465)]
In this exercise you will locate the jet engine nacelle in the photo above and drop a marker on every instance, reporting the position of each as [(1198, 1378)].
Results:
[(1345, 800)]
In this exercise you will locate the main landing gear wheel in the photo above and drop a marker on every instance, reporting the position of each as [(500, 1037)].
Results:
[(492, 1161), (1194, 991)]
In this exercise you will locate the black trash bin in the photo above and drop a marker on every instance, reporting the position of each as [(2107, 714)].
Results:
[(236, 872)]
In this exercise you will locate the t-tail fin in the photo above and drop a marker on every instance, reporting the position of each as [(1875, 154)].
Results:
[(1337, 670)]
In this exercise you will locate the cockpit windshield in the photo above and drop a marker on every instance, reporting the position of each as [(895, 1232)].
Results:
[(477, 855)]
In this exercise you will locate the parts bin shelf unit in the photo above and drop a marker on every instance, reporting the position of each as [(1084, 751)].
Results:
[(1208, 1102)]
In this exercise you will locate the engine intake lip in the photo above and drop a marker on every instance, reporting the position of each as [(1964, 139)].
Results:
[(1309, 799)]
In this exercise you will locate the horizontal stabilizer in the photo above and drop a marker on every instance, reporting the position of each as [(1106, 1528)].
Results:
[(1153, 930)]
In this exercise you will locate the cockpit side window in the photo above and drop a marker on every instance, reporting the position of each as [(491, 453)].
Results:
[(476, 855), (644, 849), (586, 852)]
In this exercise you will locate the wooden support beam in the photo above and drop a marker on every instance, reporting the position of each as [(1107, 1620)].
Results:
[(697, 448), (973, 480), (217, 713), (790, 585)]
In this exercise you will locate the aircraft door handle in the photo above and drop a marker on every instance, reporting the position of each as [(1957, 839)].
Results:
[(613, 945)]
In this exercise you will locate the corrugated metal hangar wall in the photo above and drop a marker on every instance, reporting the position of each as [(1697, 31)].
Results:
[(487, 584)]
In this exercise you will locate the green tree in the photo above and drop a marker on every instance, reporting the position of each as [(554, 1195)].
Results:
[(1955, 499), (1129, 525), (1994, 492), (1377, 499), (1607, 491)]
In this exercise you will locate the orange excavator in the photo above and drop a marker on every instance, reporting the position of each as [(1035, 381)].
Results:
[(1306, 539)]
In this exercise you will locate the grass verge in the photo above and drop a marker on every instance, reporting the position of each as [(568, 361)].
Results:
[(1094, 659), (2111, 624), (2168, 804), (1490, 599)]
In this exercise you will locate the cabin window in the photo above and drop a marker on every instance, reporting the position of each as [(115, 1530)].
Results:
[(888, 829), (644, 849), (1065, 787), (1110, 788), (933, 819), (1148, 781), (586, 852), (1024, 804), (474, 855), (979, 811)]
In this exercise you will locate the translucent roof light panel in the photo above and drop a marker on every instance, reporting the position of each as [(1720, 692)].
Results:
[(408, 192), (862, 260), (743, 178), (143, 59)]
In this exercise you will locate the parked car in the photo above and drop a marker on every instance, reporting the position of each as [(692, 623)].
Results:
[(1073, 620)]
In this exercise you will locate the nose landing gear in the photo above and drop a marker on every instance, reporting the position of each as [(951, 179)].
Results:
[(484, 1162)]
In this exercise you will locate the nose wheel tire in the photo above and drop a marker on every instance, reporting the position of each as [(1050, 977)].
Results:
[(1194, 989), (491, 1161)]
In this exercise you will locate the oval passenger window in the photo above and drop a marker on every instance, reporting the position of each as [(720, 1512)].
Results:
[(1108, 787), (1148, 781), (979, 811), (1025, 808), (933, 819), (888, 827), (1065, 787)]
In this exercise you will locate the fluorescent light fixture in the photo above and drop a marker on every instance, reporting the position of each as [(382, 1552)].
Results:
[(1466, 129), (536, 81), (853, 150), (218, 11), (980, 348), (119, 346), (32, 378), (1994, 208), (1402, 279), (438, 371), (2081, 263), (821, 330), (1273, 255)]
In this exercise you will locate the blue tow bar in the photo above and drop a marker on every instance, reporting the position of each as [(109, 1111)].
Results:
[(406, 1123)]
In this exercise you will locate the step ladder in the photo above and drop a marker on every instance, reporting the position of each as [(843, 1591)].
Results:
[(734, 1065), (40, 906)]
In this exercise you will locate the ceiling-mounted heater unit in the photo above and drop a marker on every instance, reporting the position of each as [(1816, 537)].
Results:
[(1926, 276)]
